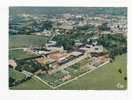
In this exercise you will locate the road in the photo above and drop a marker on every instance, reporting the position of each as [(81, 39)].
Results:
[(16, 48)]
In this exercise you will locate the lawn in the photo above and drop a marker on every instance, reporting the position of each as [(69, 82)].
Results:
[(16, 41), (105, 78), (19, 54)]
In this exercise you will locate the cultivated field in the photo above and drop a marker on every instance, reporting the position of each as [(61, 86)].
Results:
[(19, 54), (16, 41), (107, 77)]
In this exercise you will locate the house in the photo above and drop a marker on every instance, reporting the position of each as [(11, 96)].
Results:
[(40, 52), (76, 53), (12, 63), (98, 48), (46, 32), (67, 77), (50, 43), (51, 46), (69, 57), (77, 44), (57, 55), (36, 33), (66, 26), (55, 48), (44, 60), (91, 48)]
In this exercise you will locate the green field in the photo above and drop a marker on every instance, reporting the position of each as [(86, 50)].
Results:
[(33, 84), (19, 54), (16, 41), (105, 78), (16, 74), (29, 84)]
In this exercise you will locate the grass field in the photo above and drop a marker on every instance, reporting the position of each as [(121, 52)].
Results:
[(105, 78), (16, 41), (33, 84), (19, 54)]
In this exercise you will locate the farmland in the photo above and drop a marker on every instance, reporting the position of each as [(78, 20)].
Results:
[(107, 77), (19, 54), (16, 41), (33, 84)]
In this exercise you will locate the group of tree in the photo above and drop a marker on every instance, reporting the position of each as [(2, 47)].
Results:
[(115, 44), (68, 41), (31, 65), (64, 40), (25, 27), (14, 82)]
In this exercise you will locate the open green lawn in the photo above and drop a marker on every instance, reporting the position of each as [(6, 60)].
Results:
[(19, 54), (16, 74), (105, 78), (16, 41)]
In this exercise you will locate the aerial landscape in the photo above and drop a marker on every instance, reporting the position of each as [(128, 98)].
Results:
[(67, 48)]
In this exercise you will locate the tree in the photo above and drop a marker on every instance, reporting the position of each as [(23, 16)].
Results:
[(65, 41), (119, 70), (125, 78), (11, 81), (45, 67)]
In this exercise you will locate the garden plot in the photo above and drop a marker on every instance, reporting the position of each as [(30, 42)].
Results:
[(69, 73)]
